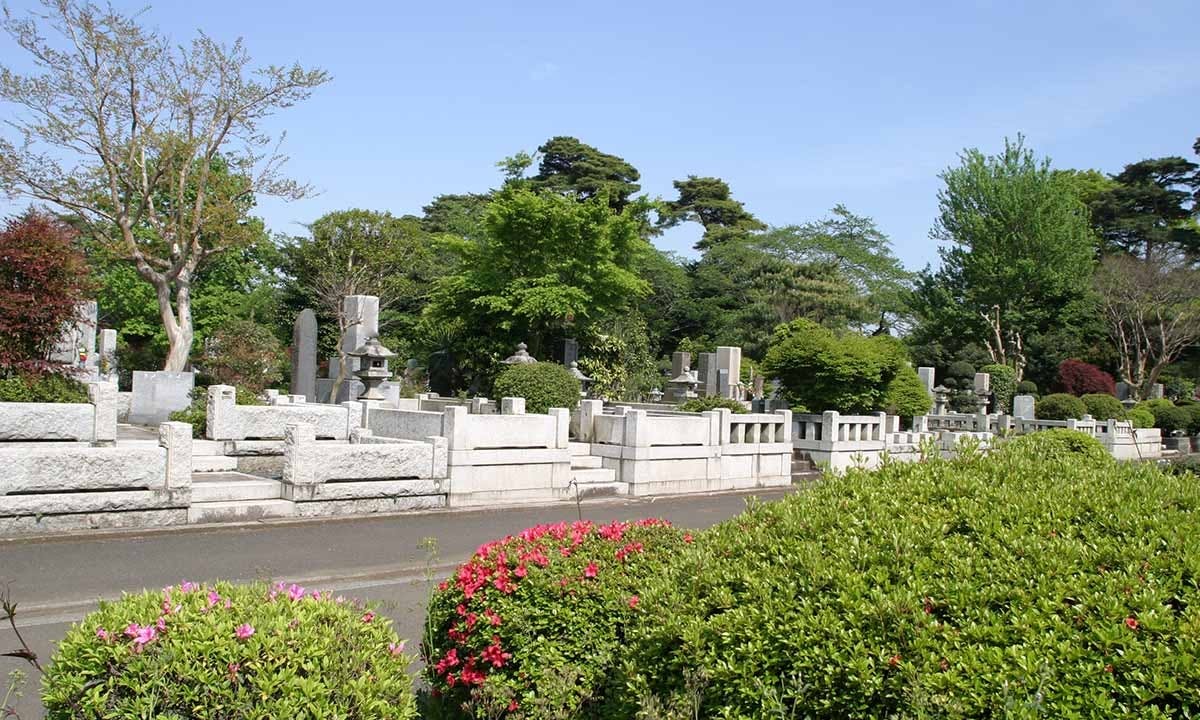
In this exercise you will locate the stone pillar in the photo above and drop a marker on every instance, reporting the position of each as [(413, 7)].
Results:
[(729, 359), (829, 427), (588, 411), (441, 469), (1156, 391), (304, 355), (679, 362), (221, 405), (706, 371), (477, 405), (176, 437), (787, 426), (983, 384), (1023, 406), (103, 397), (512, 406), (362, 311), (106, 356), (354, 415), (635, 429), (927, 380)]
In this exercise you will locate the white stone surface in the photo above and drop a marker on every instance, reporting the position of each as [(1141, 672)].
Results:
[(47, 421), (229, 421), (103, 396), (158, 394)]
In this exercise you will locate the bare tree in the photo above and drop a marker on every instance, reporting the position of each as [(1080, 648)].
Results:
[(157, 147), (1153, 312)]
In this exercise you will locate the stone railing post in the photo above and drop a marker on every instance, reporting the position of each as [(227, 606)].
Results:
[(562, 424), (454, 424), (720, 429), (588, 410), (356, 415), (512, 406), (829, 429), (636, 432), (103, 397), (176, 437), (298, 472), (441, 458), (222, 400), (786, 418)]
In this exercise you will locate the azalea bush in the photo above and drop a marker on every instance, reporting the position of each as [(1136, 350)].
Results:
[(1016, 585), (1059, 443), (532, 625), (231, 652)]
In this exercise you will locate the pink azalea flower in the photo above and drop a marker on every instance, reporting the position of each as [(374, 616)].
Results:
[(213, 598), (634, 600), (395, 649), (368, 616), (295, 592), (187, 586), (591, 570), (244, 631), (103, 634)]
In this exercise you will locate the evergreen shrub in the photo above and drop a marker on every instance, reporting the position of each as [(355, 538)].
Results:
[(49, 388), (712, 403), (544, 385), (1103, 407), (1059, 406)]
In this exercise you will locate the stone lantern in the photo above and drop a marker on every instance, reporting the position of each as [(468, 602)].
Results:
[(373, 369), (941, 398), (656, 395), (684, 386), (520, 357), (585, 382)]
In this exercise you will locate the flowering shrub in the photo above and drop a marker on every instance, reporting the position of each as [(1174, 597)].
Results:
[(531, 626), (1010, 586), (1079, 378), (230, 651)]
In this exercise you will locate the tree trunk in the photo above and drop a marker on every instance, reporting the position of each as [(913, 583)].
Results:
[(177, 321)]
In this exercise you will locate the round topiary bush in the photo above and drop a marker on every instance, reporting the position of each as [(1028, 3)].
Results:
[(532, 626), (1140, 417), (230, 651), (1103, 407), (960, 370), (712, 403), (1172, 420), (1059, 406), (943, 589), (544, 385), (1027, 387), (1060, 443)]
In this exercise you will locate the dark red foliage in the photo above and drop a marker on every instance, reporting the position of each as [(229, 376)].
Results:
[(1079, 378), (43, 280)]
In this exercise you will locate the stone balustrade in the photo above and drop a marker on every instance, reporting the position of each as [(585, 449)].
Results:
[(229, 421), (58, 488), (366, 475), (94, 421)]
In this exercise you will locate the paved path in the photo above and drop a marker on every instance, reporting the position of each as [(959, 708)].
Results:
[(58, 580)]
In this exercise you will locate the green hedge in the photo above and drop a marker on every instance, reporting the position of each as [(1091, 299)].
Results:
[(1004, 385), (1059, 406), (1140, 417), (1027, 387), (544, 385), (532, 625), (43, 389), (1104, 407), (234, 652), (1020, 585), (906, 395), (712, 403), (1058, 443)]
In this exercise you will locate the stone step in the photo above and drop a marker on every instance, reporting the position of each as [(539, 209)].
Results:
[(239, 510), (213, 463), (599, 489), (580, 448), (586, 462), (232, 487), (589, 476), (207, 447)]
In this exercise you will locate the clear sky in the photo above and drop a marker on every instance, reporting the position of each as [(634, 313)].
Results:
[(799, 106)]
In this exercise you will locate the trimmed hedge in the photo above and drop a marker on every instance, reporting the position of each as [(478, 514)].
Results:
[(43, 389), (1004, 385), (544, 385), (1058, 443), (1172, 420), (532, 625), (1103, 407), (712, 403), (1027, 387), (1020, 585), (1140, 417), (906, 395), (233, 652), (1059, 406)]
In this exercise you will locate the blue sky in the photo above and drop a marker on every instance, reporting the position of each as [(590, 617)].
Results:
[(799, 106)]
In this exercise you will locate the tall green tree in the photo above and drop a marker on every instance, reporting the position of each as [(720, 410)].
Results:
[(1018, 254), (709, 201), (568, 166), (547, 264), (123, 127), (1150, 211)]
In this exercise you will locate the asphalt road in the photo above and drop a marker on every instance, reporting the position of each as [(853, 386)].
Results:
[(56, 581)]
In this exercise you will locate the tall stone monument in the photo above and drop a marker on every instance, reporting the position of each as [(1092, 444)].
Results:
[(729, 373), (304, 356)]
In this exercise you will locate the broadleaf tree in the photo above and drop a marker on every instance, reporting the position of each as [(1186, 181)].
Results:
[(131, 132)]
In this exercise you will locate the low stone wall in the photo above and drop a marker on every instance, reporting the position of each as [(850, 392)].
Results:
[(367, 475), (229, 421), (72, 488), (709, 452), (94, 421)]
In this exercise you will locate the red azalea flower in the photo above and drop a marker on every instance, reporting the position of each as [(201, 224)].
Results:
[(633, 601), (591, 570), (1132, 623)]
